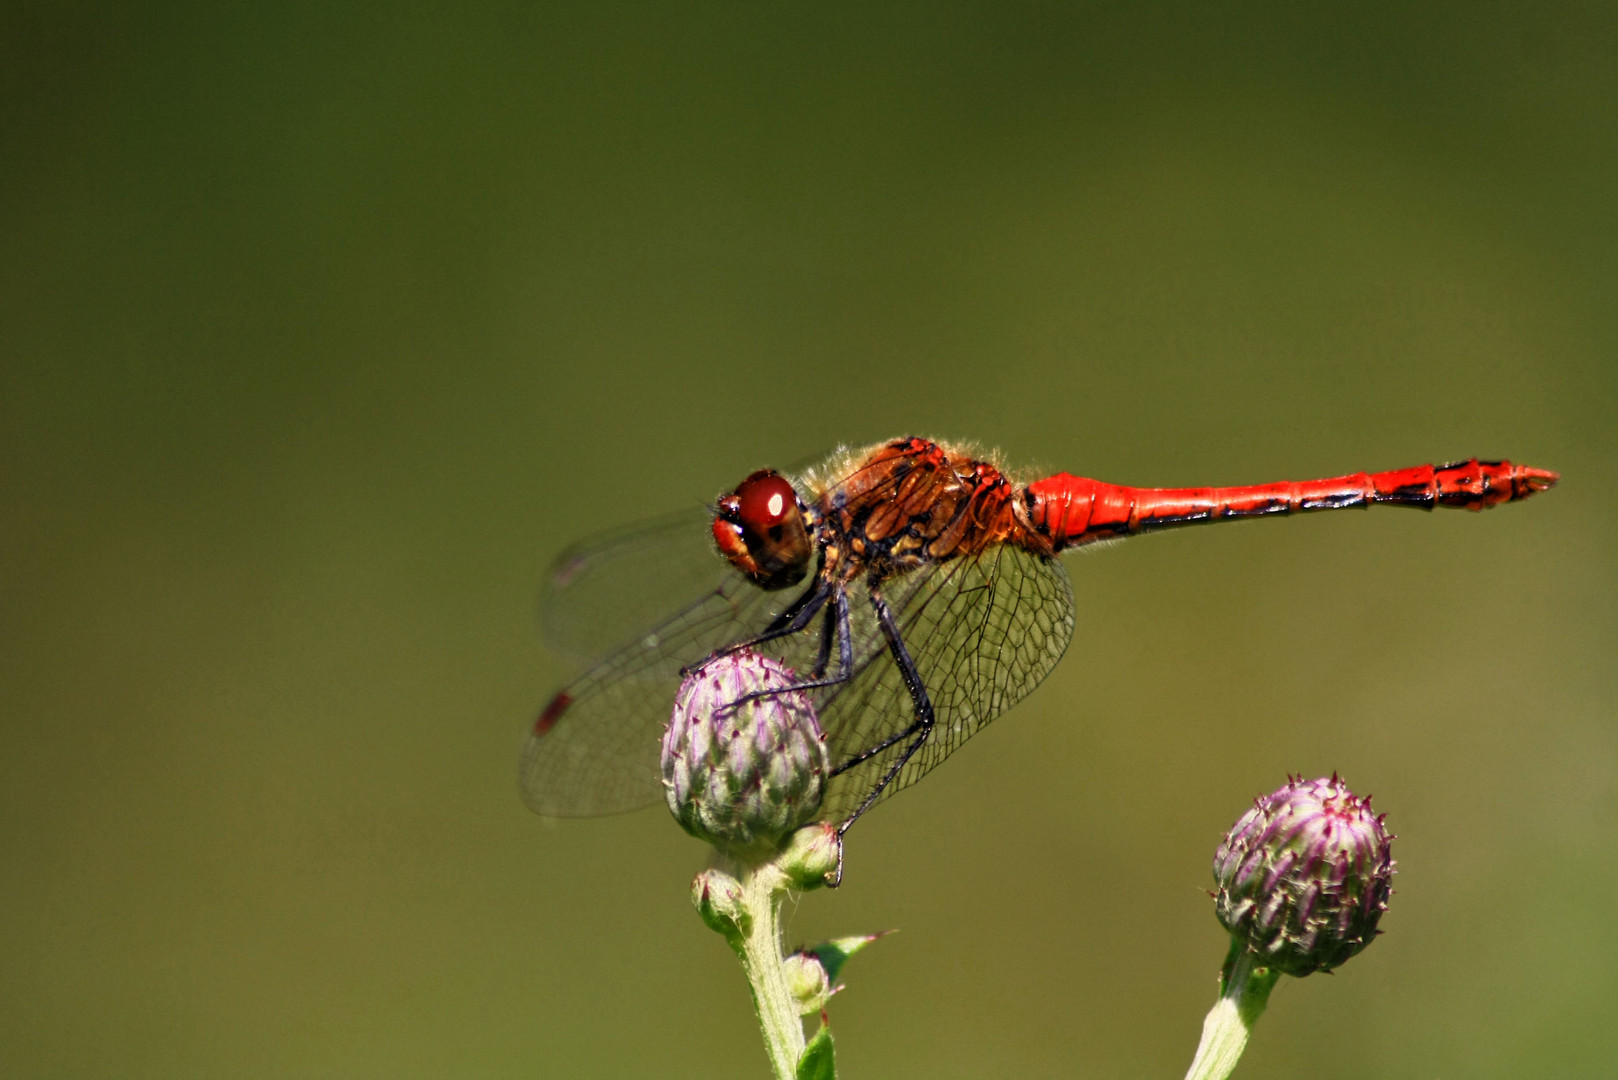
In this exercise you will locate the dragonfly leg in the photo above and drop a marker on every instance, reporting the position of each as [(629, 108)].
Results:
[(837, 624), (919, 729), (828, 633), (797, 615)]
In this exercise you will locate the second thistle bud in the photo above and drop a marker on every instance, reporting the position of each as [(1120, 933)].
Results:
[(744, 762), (718, 899), (813, 856), (807, 981), (1305, 875)]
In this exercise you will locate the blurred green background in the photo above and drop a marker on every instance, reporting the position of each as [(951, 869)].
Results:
[(323, 329)]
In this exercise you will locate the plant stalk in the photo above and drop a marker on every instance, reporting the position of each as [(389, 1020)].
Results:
[(1244, 991), (758, 947)]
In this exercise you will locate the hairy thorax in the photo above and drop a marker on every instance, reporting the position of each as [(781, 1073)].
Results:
[(913, 502)]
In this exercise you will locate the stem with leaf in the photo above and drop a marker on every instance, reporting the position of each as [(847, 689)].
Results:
[(746, 909)]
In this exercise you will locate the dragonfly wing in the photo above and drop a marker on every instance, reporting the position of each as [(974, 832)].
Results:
[(594, 749), (606, 590), (983, 630)]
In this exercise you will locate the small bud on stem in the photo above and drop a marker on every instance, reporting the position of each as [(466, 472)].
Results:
[(718, 899), (807, 979), (813, 856)]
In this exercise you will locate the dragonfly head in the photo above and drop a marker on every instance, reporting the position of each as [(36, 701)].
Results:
[(762, 528)]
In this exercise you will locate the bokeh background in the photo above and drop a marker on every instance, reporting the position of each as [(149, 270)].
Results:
[(323, 328)]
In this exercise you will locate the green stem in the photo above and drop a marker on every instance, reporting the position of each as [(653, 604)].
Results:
[(758, 947), (1244, 990)]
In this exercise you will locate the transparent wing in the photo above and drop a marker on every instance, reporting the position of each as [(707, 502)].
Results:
[(605, 590), (594, 749), (983, 631)]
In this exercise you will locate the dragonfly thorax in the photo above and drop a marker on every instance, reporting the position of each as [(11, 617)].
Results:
[(912, 503)]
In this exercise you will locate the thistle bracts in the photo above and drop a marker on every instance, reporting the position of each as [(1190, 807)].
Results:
[(1304, 876), (744, 763)]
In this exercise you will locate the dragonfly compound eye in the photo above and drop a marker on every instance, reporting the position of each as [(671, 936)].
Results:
[(760, 528)]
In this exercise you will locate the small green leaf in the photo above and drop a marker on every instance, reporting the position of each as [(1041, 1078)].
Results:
[(816, 1062), (832, 954)]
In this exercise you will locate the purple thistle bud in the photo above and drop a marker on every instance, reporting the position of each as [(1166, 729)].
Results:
[(743, 764), (1305, 875)]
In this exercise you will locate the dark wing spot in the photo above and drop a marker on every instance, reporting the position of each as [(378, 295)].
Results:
[(553, 712)]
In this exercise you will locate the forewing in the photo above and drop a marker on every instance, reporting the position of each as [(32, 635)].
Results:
[(983, 631), (594, 749), (607, 589)]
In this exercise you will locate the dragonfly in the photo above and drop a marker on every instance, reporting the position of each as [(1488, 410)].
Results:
[(913, 587)]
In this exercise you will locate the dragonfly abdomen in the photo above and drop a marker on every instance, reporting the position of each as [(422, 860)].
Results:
[(1069, 510)]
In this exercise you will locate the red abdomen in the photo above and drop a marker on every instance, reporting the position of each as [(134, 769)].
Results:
[(1068, 510)]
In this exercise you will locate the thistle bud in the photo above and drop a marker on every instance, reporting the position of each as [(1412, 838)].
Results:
[(1304, 876), (743, 763), (718, 899), (813, 856), (807, 982)]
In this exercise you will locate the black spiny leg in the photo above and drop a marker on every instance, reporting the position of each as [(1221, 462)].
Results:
[(917, 732), (828, 632), (797, 615), (837, 625)]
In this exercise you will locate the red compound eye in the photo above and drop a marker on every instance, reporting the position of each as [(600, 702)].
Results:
[(762, 531), (764, 500)]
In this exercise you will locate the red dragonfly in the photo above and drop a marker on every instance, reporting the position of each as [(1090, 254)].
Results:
[(915, 588)]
